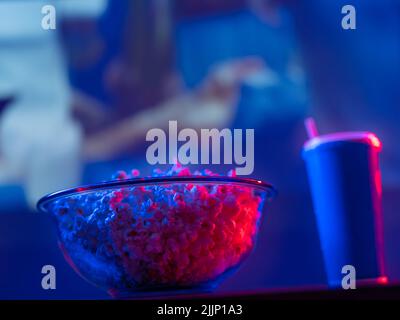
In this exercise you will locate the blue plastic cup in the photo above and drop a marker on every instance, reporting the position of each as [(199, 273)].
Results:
[(345, 181)]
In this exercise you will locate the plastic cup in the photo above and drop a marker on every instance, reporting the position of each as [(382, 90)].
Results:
[(345, 182)]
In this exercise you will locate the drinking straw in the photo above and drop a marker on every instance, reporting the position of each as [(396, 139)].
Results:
[(311, 127)]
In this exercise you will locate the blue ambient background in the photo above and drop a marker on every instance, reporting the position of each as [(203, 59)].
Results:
[(356, 70)]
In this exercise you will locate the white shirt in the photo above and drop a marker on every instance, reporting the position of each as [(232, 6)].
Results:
[(39, 142)]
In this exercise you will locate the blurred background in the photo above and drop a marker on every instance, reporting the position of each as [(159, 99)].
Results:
[(76, 103)]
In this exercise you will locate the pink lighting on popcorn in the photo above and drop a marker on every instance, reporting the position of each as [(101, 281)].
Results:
[(171, 231)]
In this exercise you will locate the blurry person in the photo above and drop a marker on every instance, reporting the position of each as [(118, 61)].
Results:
[(148, 89), (39, 142)]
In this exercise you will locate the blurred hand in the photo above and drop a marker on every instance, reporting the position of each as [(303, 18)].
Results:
[(224, 80)]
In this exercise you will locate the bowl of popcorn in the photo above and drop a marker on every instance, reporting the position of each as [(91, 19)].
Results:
[(174, 232)]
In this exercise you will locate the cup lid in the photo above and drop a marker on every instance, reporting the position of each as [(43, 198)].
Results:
[(362, 137)]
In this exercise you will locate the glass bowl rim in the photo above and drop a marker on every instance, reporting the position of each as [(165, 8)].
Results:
[(259, 184)]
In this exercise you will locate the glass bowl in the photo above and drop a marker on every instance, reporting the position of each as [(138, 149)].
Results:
[(165, 235)]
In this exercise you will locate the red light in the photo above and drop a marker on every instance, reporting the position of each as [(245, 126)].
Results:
[(378, 182), (382, 280), (375, 141)]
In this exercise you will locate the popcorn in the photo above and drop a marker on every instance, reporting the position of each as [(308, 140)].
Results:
[(177, 235)]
